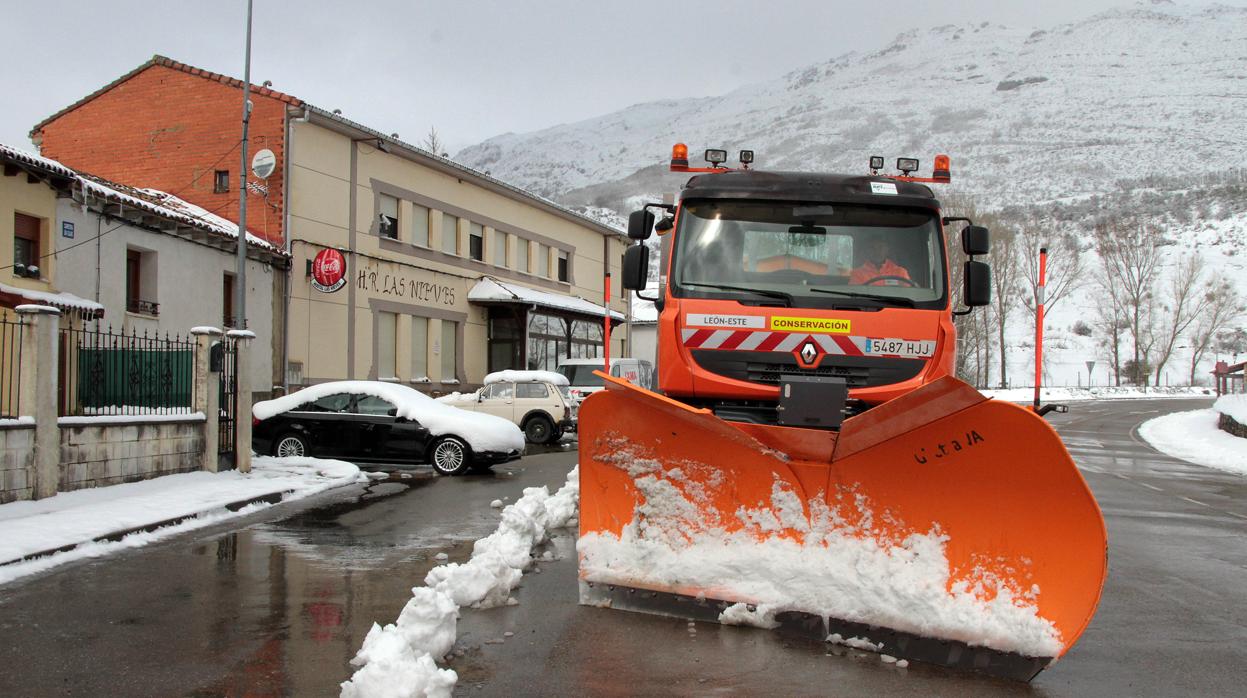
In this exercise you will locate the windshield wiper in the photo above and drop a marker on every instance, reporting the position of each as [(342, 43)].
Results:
[(888, 300), (786, 297)]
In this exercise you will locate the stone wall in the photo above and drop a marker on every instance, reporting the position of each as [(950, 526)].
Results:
[(1228, 424), (17, 457), (94, 454)]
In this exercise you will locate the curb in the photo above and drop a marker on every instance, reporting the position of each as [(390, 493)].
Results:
[(270, 498)]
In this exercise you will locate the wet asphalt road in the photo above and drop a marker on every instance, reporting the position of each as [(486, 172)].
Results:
[(279, 603)]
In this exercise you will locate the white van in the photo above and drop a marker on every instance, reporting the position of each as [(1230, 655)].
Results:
[(580, 376)]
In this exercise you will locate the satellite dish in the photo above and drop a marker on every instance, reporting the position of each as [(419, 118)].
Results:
[(263, 164)]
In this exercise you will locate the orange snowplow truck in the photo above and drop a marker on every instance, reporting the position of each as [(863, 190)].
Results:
[(810, 450)]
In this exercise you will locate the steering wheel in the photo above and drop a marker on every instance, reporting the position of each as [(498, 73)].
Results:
[(889, 277)]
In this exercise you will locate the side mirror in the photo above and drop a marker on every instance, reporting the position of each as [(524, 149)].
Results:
[(978, 284), (636, 267), (480, 396), (393, 412), (640, 224), (975, 240)]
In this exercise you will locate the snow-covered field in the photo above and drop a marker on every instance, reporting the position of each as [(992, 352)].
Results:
[(1194, 437), (400, 659), (77, 518)]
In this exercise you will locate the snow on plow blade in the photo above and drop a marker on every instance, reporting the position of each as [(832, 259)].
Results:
[(941, 526)]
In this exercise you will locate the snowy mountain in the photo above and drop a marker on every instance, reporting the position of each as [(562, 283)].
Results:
[(1139, 111), (1026, 115)]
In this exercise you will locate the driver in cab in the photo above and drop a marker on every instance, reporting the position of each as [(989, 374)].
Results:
[(876, 269)]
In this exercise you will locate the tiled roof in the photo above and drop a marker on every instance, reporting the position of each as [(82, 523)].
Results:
[(164, 62)]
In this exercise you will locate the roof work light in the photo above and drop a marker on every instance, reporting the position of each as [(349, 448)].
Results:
[(746, 157), (716, 156), (876, 163), (907, 165), (679, 155)]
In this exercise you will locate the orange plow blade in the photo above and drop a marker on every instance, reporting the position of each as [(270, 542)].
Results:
[(941, 526)]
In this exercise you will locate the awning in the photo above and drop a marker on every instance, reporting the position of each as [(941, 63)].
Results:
[(13, 296), (490, 291)]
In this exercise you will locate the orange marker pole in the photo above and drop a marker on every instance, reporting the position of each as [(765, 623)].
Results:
[(607, 324), (1043, 280)]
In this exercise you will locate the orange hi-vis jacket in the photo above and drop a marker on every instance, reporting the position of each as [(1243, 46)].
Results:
[(868, 271)]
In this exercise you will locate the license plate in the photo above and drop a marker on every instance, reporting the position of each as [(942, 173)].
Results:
[(901, 347)]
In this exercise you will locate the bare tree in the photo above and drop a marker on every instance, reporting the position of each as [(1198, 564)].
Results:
[(1187, 297), (1006, 271), (433, 142), (1130, 257), (1224, 306), (1065, 266)]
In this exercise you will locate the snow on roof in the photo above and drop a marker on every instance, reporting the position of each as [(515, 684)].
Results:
[(511, 376), (482, 432), (63, 301), (643, 311), (491, 289), (151, 200), (36, 160), (171, 207)]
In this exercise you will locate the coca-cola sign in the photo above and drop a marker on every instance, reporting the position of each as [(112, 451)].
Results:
[(328, 271)]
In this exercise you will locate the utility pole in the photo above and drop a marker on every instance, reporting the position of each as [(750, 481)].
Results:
[(240, 287)]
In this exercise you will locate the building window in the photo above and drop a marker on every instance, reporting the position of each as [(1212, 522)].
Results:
[(387, 224), (141, 282), (450, 234), (449, 350), (476, 241), (521, 255), (563, 266), (552, 339), (543, 261), (420, 226), (386, 334), (227, 301), (220, 182), (500, 248), (26, 244), (419, 348)]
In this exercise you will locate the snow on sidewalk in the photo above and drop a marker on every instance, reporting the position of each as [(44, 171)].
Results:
[(77, 518), (400, 660), (1194, 437)]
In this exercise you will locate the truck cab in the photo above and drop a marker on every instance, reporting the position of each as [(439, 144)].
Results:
[(832, 287)]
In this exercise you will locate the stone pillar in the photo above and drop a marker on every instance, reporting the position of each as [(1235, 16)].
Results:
[(39, 393), (242, 411), (207, 400)]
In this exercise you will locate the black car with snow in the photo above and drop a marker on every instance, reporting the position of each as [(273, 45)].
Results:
[(370, 421)]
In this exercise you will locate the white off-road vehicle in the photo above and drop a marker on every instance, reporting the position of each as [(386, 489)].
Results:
[(536, 401)]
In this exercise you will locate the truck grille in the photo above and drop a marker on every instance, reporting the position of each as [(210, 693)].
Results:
[(765, 368)]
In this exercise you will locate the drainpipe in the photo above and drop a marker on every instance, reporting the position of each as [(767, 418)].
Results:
[(285, 231)]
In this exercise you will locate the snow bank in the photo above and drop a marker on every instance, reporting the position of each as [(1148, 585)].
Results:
[(830, 567), (398, 659), (76, 518), (512, 376), (1195, 437), (1233, 406), (483, 432), (1067, 394)]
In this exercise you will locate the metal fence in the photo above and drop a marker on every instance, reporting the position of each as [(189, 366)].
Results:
[(10, 367), (106, 372)]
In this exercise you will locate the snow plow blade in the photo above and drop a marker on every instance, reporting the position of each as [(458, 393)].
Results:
[(940, 527)]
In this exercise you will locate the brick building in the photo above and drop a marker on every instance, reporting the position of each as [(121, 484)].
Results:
[(449, 273)]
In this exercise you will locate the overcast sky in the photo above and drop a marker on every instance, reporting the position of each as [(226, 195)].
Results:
[(470, 68)]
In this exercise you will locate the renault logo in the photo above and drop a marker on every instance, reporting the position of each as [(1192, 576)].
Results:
[(809, 352)]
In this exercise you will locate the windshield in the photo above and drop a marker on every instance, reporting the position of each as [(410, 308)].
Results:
[(809, 255), (581, 375)]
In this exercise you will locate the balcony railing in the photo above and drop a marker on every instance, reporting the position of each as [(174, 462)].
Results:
[(142, 307)]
